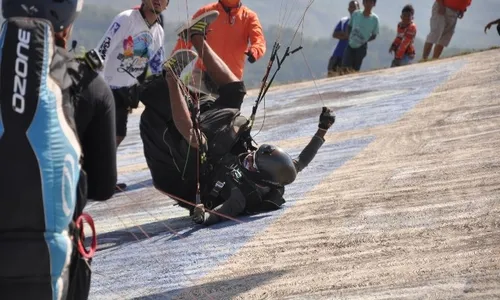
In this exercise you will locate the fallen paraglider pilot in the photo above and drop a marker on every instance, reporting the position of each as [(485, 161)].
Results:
[(212, 146)]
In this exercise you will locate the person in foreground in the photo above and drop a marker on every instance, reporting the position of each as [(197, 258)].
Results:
[(57, 149), (236, 177)]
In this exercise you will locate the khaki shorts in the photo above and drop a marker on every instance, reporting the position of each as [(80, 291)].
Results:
[(442, 26)]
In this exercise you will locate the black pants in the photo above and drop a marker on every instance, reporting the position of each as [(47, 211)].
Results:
[(26, 269), (157, 126), (353, 57), (334, 63), (122, 113)]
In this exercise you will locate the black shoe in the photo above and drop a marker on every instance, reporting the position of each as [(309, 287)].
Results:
[(120, 187)]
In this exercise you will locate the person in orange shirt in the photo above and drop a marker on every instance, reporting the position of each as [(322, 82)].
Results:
[(445, 14), (235, 35), (402, 46)]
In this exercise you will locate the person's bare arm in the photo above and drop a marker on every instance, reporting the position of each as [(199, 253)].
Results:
[(340, 35), (180, 113), (487, 27), (375, 31)]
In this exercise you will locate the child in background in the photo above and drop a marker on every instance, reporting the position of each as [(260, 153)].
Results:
[(363, 28), (340, 33), (402, 47)]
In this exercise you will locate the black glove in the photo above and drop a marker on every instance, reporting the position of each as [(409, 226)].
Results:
[(498, 29), (251, 58), (198, 214), (326, 119)]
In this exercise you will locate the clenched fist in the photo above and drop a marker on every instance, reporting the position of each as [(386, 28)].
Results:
[(326, 118)]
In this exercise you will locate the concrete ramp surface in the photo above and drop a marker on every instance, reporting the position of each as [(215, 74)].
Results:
[(401, 202)]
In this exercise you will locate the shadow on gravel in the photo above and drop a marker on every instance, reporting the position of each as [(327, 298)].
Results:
[(224, 289)]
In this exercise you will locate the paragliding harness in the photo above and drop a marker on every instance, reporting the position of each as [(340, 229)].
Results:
[(222, 170), (229, 173)]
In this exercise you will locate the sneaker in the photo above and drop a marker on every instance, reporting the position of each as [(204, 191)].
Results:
[(197, 26), (179, 60)]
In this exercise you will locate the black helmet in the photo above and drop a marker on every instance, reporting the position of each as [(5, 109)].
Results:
[(61, 13), (274, 165)]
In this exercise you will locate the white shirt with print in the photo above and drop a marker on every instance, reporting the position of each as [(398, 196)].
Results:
[(128, 46)]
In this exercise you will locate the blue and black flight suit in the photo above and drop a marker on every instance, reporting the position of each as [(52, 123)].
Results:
[(57, 148)]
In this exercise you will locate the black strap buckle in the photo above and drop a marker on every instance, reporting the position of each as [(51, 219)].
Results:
[(217, 188), (94, 60), (236, 174)]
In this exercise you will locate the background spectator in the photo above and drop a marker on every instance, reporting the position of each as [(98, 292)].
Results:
[(341, 33), (443, 22), (402, 47), (235, 35), (363, 28)]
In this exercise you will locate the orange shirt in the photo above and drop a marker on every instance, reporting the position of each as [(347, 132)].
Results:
[(458, 5), (230, 35), (403, 43)]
